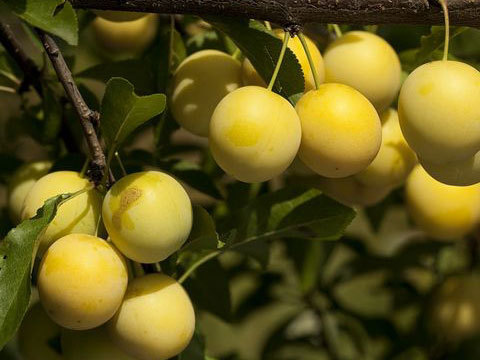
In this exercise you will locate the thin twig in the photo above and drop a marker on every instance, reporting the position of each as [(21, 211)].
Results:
[(89, 119), (30, 70)]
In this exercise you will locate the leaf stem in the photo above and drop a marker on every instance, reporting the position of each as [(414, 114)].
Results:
[(279, 61), (268, 25), (446, 14), (310, 60)]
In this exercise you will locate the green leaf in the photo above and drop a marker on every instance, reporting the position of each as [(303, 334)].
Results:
[(431, 48), (203, 238), (123, 111), (434, 42), (209, 289), (203, 234), (16, 252), (193, 175), (258, 250), (54, 16), (133, 70), (263, 48), (159, 55), (294, 212)]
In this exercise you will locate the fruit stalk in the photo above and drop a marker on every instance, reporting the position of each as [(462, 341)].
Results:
[(310, 60), (286, 12), (279, 61)]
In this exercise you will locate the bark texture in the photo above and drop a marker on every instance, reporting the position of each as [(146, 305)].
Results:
[(287, 12)]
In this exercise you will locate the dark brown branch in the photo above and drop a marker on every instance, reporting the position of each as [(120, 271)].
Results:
[(88, 118), (29, 68), (286, 12)]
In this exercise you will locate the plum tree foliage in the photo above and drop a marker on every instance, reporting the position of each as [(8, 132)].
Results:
[(213, 187)]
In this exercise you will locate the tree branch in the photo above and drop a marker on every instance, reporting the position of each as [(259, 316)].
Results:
[(286, 12), (29, 68), (87, 116)]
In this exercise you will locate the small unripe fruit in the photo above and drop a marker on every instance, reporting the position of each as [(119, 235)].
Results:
[(444, 212), (119, 16), (454, 313), (94, 344), (78, 215), (81, 281), (254, 134), (199, 83), (129, 37), (367, 63), (351, 192), (251, 77), (148, 216), (156, 319), (457, 173), (439, 112), (20, 184), (341, 131), (394, 161), (35, 333)]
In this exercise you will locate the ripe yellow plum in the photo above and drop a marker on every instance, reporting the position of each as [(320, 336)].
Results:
[(128, 37), (395, 160), (457, 173), (443, 211), (119, 16), (367, 63), (439, 112), (148, 216), (254, 134), (81, 281), (156, 319), (341, 131), (20, 184), (94, 344), (199, 83), (78, 215), (251, 77), (351, 192), (35, 333), (455, 309)]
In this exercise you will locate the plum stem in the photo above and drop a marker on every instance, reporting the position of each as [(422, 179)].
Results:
[(279, 61), (337, 30), (310, 60), (444, 5)]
